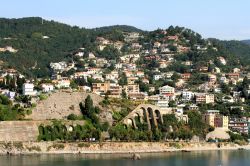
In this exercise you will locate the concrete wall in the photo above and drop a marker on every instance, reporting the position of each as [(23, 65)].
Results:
[(61, 104), (25, 130)]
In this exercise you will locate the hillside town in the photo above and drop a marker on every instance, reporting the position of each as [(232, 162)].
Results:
[(154, 71)]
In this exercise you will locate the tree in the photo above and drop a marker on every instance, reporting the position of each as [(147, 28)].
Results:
[(237, 112), (73, 84), (225, 88), (5, 100), (110, 53), (105, 126), (123, 79), (92, 63), (89, 108), (157, 135), (172, 48), (20, 81), (196, 124), (143, 87), (72, 117), (175, 77), (172, 103), (124, 94), (89, 112)]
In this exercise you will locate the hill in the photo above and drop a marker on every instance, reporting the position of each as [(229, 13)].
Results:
[(242, 50), (39, 42), (246, 41), (124, 28), (26, 35)]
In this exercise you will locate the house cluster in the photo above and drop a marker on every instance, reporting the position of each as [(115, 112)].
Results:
[(235, 124), (129, 79), (141, 73)]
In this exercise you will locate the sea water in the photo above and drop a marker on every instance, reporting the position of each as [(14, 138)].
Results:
[(198, 158)]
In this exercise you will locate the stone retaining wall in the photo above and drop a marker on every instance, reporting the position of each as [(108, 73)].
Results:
[(24, 131)]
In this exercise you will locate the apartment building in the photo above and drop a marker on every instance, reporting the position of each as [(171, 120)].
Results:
[(239, 125), (204, 98), (167, 90), (112, 89), (213, 118)]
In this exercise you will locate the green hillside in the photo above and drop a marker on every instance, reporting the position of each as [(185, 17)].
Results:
[(246, 41), (36, 52), (27, 36)]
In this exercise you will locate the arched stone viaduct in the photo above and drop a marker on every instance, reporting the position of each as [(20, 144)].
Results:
[(150, 114)]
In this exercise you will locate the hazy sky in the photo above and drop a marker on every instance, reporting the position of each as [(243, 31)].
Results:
[(223, 19)]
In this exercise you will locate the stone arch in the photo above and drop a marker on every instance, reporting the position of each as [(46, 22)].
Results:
[(151, 117), (41, 130), (144, 112), (137, 118), (158, 117), (64, 128), (48, 129), (57, 128), (130, 122), (125, 126), (70, 128)]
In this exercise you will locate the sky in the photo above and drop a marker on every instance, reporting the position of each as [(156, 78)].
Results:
[(222, 19)]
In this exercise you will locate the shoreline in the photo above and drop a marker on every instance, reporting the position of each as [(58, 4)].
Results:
[(44, 148)]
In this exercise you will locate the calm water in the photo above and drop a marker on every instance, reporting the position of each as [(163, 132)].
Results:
[(211, 158)]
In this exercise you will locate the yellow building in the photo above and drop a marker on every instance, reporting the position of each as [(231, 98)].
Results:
[(213, 118), (113, 90)]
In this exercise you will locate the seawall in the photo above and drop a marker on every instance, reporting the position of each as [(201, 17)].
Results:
[(109, 147)]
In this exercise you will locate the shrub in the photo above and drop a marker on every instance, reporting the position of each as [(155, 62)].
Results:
[(175, 145), (240, 142), (72, 117), (105, 126), (34, 148), (18, 145), (28, 111), (56, 146), (43, 97), (81, 145)]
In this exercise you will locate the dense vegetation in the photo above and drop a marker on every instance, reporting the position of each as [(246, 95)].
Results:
[(8, 111), (35, 52), (59, 131), (238, 48), (170, 129)]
